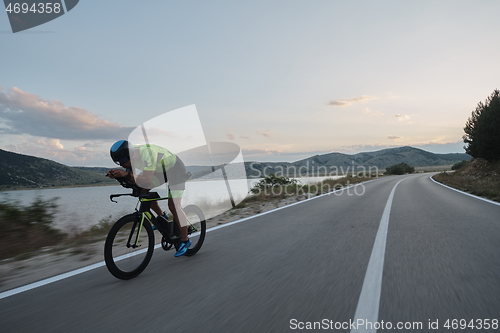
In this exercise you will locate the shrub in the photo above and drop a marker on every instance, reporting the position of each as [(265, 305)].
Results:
[(458, 165), (271, 181), (27, 228), (399, 169)]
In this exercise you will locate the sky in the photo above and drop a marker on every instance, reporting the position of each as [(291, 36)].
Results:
[(284, 80)]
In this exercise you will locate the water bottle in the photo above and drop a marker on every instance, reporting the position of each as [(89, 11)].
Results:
[(170, 224)]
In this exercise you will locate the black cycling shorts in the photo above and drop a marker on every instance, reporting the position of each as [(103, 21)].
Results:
[(175, 176)]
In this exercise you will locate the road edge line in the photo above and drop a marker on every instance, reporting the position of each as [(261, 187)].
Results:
[(470, 195), (44, 282)]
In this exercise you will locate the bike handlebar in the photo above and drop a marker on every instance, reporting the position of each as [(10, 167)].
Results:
[(148, 195), (136, 191), (119, 195)]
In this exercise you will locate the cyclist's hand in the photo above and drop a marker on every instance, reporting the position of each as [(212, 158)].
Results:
[(114, 173)]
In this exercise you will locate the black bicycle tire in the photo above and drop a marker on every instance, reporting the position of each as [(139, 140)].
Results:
[(108, 245), (203, 226)]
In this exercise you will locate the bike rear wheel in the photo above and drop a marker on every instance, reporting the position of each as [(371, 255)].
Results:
[(197, 228), (129, 247)]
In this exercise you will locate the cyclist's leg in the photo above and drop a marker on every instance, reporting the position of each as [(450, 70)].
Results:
[(174, 205), (155, 206), (176, 186)]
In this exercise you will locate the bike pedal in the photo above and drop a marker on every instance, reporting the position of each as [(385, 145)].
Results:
[(166, 245)]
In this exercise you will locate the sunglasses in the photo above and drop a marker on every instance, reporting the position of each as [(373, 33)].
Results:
[(122, 160)]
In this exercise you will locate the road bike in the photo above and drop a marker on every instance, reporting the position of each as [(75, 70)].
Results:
[(130, 242)]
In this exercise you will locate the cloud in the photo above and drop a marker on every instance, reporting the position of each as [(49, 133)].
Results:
[(251, 152), (369, 112), (266, 133), (279, 155), (35, 144), (354, 149), (350, 101), (92, 145), (25, 113), (53, 149), (401, 117), (245, 137), (394, 137), (231, 136)]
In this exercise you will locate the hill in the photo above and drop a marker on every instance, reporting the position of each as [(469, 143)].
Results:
[(338, 163), (25, 172), (386, 157)]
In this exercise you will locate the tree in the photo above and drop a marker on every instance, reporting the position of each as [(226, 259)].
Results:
[(399, 169), (482, 129)]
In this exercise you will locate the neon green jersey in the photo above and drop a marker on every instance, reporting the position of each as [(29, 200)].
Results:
[(154, 158)]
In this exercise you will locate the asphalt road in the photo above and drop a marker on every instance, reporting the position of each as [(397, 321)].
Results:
[(305, 263)]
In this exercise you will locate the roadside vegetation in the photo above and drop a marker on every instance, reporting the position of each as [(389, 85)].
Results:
[(459, 165), (478, 177), (26, 229), (481, 175), (275, 187), (399, 169)]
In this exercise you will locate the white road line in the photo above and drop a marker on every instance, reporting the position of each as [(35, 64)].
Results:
[(49, 280), (59, 277), (470, 195), (41, 283), (369, 299)]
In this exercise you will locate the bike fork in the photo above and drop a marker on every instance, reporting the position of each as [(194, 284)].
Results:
[(138, 235)]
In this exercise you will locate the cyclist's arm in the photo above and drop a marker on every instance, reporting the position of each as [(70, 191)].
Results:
[(144, 180)]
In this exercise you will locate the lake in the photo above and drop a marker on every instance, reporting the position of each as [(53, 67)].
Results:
[(82, 207)]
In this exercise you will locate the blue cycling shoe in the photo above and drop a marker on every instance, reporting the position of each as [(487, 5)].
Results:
[(183, 248)]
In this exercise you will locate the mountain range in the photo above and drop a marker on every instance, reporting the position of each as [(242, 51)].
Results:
[(23, 171), (343, 163)]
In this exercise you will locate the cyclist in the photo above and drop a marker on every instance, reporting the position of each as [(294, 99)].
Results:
[(158, 165)]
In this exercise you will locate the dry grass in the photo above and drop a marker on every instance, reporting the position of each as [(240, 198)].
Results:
[(478, 177)]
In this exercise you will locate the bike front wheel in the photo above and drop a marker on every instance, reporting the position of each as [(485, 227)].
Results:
[(129, 247)]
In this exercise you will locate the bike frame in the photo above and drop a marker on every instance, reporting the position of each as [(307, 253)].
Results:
[(139, 219), (145, 200)]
